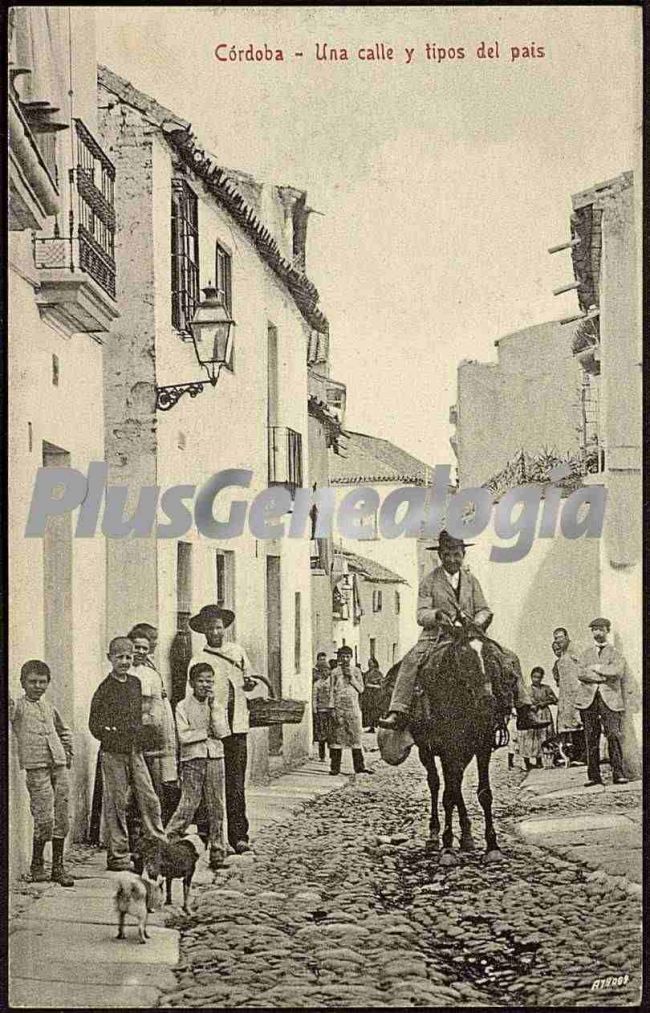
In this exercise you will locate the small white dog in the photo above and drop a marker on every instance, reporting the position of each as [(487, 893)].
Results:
[(136, 896)]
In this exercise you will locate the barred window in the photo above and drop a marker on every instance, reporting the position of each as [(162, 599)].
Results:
[(95, 185), (185, 254)]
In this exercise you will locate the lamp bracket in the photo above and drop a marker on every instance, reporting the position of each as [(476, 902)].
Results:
[(167, 397)]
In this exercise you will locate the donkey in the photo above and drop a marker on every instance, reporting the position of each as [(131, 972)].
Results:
[(462, 702)]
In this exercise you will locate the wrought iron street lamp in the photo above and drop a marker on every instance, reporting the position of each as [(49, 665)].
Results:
[(211, 328)]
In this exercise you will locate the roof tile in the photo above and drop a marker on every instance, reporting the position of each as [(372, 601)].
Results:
[(372, 459)]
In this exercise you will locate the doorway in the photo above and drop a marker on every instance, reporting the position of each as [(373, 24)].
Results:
[(57, 593), (274, 643)]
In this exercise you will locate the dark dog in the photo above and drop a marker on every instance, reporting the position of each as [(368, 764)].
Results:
[(175, 859), (553, 750)]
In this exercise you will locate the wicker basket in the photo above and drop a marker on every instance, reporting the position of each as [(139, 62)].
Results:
[(264, 713)]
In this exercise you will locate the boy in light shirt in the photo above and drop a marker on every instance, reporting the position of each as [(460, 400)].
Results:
[(201, 726), (45, 754)]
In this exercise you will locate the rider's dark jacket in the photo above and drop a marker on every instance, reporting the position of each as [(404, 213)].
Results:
[(436, 593)]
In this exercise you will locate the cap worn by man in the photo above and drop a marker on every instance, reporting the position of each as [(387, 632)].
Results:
[(600, 623)]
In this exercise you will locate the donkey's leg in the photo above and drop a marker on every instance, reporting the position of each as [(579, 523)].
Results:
[(429, 761), (484, 793), (466, 839), (449, 802)]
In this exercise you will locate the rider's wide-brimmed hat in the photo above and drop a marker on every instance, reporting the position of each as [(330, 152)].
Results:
[(211, 612), (447, 541)]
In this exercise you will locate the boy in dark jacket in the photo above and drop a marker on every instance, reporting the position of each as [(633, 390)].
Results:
[(116, 720)]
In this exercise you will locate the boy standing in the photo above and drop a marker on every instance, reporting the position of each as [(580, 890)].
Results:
[(323, 703), (201, 725), (45, 754), (116, 720), (159, 745)]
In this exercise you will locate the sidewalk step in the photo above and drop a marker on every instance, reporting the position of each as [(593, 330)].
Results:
[(35, 942), (77, 906), (570, 824), (607, 842), (25, 992)]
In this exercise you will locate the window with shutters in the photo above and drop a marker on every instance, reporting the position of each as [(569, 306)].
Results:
[(223, 276), (185, 254), (225, 583), (183, 582)]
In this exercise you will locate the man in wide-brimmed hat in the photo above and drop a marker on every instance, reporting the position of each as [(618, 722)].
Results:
[(446, 593), (233, 684)]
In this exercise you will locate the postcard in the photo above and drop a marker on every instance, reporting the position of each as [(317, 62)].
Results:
[(324, 396)]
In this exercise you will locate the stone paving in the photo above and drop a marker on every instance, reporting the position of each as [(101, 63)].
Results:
[(342, 905), (62, 951)]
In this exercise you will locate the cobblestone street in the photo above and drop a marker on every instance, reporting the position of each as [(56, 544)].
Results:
[(343, 906)]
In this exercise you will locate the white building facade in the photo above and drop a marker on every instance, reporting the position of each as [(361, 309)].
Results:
[(184, 223), (62, 306)]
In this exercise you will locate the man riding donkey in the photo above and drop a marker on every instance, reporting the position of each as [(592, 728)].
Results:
[(450, 595)]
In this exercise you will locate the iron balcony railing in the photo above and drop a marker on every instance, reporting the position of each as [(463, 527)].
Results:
[(90, 241), (285, 457)]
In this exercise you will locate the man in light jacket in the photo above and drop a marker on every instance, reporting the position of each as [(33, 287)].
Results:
[(601, 701), (234, 683), (448, 591)]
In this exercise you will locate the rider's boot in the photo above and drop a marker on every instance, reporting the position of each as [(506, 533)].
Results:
[(358, 763), (395, 721)]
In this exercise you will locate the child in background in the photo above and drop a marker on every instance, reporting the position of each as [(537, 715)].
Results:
[(323, 703), (45, 754), (159, 742), (513, 739), (530, 741)]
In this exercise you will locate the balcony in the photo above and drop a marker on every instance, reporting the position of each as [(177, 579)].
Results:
[(285, 458), (77, 270), (336, 396)]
